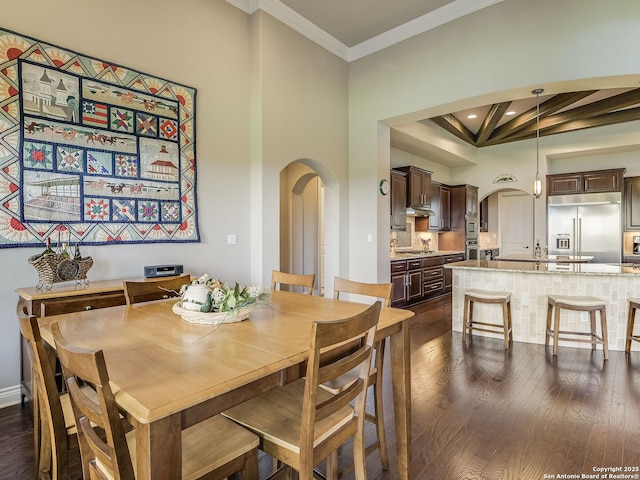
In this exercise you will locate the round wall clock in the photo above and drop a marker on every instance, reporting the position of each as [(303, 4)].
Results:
[(384, 186)]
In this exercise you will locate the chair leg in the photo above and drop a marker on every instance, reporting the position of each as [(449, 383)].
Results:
[(546, 334), (505, 322), (630, 321), (359, 456), (556, 330), (465, 319), (379, 420), (592, 317), (332, 466), (250, 469), (605, 337), (510, 321)]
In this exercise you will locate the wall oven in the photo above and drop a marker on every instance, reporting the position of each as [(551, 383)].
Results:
[(471, 249)]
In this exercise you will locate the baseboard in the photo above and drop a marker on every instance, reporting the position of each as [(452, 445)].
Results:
[(10, 396)]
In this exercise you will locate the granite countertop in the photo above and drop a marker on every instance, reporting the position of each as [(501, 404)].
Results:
[(534, 267), (411, 254), (547, 259)]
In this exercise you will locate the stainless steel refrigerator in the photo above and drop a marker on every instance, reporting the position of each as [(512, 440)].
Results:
[(586, 224)]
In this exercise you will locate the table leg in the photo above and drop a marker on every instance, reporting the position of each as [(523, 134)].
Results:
[(159, 449), (401, 380)]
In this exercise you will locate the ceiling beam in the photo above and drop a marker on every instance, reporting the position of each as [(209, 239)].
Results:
[(548, 107), (451, 124), (613, 118), (496, 112), (595, 109)]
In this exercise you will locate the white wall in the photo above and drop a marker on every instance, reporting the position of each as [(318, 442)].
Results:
[(497, 53)]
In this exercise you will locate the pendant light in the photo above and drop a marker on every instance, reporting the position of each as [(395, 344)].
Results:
[(537, 184)]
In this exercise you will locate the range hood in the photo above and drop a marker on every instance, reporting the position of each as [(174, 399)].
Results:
[(420, 212)]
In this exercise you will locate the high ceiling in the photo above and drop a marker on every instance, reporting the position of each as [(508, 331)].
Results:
[(353, 22), (356, 28)]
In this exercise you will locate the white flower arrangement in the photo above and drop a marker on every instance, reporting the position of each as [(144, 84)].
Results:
[(220, 297)]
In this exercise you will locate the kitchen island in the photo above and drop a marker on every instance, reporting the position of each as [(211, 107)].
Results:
[(531, 282)]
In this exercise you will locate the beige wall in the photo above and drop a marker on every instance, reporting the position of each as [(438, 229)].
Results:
[(266, 97)]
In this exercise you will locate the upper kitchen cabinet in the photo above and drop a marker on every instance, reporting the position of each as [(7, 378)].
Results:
[(418, 187), (585, 182), (398, 200), (464, 203), (484, 215), (632, 203), (441, 206)]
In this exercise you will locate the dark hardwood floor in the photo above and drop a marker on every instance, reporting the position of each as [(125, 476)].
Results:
[(479, 412)]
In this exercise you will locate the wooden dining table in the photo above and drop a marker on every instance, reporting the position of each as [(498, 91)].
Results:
[(168, 374)]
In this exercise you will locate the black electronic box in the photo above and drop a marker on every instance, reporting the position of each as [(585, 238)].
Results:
[(162, 270)]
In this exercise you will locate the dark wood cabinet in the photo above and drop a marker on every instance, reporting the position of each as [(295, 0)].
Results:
[(448, 273), (441, 206), (472, 200), (418, 186), (432, 277), (398, 282), (414, 280), (484, 215), (419, 279), (586, 182), (632, 203), (398, 200)]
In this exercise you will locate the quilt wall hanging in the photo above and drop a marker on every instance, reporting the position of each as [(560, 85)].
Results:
[(97, 151)]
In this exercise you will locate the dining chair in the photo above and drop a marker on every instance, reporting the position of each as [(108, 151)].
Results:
[(110, 457), (136, 292), (300, 424), (282, 278), (54, 425), (380, 291)]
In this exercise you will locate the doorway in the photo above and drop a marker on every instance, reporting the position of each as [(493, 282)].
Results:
[(506, 222), (516, 223), (302, 223)]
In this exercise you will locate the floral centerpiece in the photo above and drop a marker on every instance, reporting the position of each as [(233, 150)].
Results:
[(210, 301)]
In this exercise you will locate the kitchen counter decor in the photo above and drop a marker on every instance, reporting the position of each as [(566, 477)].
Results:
[(210, 302)]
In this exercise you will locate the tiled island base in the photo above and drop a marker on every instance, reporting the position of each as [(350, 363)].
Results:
[(530, 284)]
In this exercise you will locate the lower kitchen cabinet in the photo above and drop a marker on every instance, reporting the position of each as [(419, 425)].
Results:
[(448, 273), (420, 279)]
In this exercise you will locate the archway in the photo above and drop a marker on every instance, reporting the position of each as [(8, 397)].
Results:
[(507, 222), (307, 208)]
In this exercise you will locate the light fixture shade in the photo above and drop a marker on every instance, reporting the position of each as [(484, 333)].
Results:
[(537, 188)]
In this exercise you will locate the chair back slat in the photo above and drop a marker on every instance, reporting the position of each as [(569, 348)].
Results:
[(136, 292), (358, 329), (278, 279), (380, 291), (98, 456)]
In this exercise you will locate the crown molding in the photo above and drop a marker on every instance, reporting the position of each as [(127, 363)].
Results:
[(429, 21), (286, 15)]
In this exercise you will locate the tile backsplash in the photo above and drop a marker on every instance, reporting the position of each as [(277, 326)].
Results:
[(412, 239)]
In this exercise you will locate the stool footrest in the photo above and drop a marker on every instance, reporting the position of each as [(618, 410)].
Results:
[(501, 331)]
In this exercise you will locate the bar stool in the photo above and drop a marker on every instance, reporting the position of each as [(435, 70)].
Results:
[(634, 304), (486, 296), (578, 304)]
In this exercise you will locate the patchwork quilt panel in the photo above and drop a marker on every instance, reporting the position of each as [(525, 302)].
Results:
[(95, 151)]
